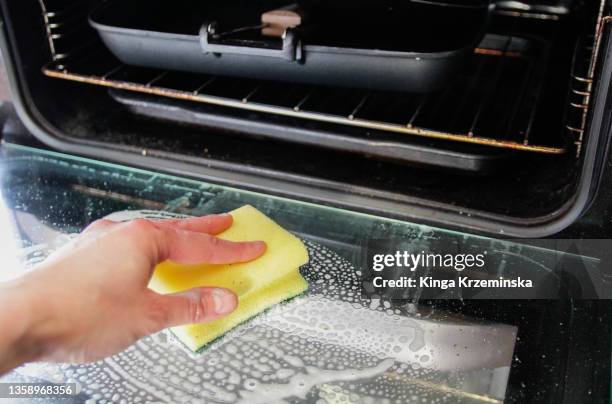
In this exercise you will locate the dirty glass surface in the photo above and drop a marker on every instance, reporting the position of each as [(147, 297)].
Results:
[(329, 346)]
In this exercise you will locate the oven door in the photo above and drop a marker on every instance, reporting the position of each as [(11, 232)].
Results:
[(332, 344)]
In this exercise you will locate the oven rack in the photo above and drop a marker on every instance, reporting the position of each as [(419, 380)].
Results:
[(582, 80), (493, 103)]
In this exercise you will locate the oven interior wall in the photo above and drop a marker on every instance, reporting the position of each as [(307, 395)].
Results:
[(527, 186)]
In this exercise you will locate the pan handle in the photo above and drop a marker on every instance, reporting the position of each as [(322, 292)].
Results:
[(289, 50)]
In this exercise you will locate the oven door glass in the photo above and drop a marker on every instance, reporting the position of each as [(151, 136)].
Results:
[(328, 346)]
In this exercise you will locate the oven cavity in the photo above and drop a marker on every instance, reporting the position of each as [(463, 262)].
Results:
[(492, 104)]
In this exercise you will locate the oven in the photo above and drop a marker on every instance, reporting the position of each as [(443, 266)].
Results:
[(498, 137), (504, 147)]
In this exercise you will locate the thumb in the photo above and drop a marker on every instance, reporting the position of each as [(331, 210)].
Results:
[(199, 305)]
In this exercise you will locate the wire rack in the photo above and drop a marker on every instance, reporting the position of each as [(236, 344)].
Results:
[(492, 103), (582, 80)]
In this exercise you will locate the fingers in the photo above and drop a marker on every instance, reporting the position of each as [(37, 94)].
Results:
[(212, 224), (194, 306), (185, 241), (186, 247)]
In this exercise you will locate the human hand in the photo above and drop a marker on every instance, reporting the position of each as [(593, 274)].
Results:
[(90, 299)]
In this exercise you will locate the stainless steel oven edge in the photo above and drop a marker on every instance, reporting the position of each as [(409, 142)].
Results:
[(332, 193)]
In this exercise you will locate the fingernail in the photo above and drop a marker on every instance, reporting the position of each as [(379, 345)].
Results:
[(261, 244), (224, 301)]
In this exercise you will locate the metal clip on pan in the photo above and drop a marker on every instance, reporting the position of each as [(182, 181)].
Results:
[(211, 43)]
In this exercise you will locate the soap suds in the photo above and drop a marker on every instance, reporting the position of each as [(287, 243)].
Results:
[(328, 337)]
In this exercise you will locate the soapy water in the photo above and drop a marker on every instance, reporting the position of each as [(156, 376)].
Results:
[(327, 346)]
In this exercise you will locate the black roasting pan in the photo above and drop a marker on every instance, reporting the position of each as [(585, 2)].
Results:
[(414, 46)]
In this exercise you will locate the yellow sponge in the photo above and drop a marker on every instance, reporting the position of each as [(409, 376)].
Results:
[(260, 284)]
